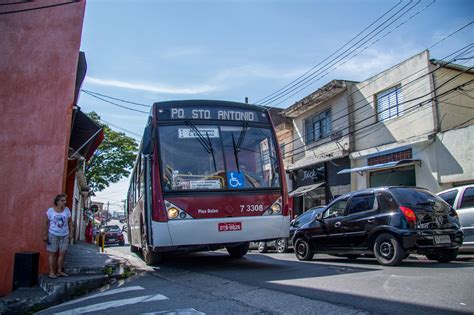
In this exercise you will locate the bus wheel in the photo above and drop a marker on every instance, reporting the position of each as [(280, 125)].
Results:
[(238, 251), (149, 256)]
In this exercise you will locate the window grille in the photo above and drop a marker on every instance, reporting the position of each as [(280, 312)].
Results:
[(389, 103)]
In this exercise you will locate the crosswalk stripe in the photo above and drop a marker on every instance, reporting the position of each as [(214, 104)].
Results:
[(114, 304), (105, 293)]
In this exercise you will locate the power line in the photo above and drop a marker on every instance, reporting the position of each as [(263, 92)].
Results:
[(336, 65), (123, 129), (114, 98), (107, 101), (460, 51), (293, 151), (314, 67), (40, 8), (313, 76)]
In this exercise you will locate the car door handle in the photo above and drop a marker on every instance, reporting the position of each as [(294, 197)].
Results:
[(370, 219), (337, 224)]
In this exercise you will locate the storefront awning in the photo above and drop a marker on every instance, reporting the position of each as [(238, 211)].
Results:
[(304, 189), (86, 136), (378, 166)]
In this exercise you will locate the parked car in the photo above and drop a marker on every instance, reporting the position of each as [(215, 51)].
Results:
[(281, 245), (462, 200), (113, 235), (387, 222)]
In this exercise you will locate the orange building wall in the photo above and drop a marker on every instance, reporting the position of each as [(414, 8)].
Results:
[(39, 52)]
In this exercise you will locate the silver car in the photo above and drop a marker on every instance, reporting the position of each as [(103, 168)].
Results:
[(462, 200)]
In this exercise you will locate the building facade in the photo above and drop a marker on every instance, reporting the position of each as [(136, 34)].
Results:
[(39, 84), (406, 129), (320, 146)]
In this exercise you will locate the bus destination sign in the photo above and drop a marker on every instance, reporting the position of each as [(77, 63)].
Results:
[(175, 113)]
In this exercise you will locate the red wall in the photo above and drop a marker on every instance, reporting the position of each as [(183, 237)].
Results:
[(39, 51)]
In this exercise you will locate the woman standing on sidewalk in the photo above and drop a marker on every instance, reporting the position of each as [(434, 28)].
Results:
[(58, 225)]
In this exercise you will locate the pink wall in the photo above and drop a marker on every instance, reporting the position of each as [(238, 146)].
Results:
[(39, 51)]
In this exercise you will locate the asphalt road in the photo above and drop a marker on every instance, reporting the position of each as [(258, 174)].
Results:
[(214, 283)]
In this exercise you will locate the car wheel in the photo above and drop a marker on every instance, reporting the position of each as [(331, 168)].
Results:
[(238, 251), (444, 256), (352, 256), (262, 247), (387, 250), (282, 245), (122, 243), (303, 249)]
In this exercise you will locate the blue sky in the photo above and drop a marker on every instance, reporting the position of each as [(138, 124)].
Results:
[(149, 51)]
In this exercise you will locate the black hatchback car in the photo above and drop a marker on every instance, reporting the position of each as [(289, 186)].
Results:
[(387, 222)]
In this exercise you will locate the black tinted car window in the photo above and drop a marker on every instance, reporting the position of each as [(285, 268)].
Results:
[(302, 219), (361, 203), (412, 196), (468, 198), (336, 210), (449, 196)]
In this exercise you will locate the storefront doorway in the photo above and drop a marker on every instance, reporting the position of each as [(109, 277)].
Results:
[(402, 176)]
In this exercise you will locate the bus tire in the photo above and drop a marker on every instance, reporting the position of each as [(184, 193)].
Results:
[(238, 251), (151, 257)]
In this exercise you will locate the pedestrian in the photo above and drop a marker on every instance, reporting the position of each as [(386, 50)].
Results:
[(58, 230), (89, 232)]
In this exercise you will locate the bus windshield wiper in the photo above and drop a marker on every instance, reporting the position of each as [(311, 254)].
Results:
[(236, 153), (237, 147), (206, 143)]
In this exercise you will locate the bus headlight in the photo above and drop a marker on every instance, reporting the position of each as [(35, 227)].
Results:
[(173, 213), (275, 208)]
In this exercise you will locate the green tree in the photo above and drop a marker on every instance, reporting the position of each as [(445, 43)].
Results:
[(112, 160)]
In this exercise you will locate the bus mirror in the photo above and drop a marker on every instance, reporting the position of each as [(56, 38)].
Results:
[(147, 143)]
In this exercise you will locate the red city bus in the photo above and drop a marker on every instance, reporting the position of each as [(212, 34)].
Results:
[(209, 175)]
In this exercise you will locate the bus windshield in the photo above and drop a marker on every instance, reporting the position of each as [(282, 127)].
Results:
[(217, 157)]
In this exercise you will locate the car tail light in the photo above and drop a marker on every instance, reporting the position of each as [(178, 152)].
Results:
[(409, 214)]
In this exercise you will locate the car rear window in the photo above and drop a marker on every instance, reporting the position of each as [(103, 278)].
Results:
[(412, 196), (449, 196), (468, 198)]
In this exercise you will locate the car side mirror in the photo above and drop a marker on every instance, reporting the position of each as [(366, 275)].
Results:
[(319, 217), (292, 223)]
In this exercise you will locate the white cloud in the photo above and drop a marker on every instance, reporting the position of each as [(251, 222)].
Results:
[(373, 61), (152, 87), (255, 71)]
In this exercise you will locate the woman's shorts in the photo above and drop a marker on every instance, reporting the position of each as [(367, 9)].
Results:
[(56, 243)]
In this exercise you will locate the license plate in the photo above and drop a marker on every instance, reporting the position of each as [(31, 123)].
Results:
[(442, 239), (230, 226), (111, 239)]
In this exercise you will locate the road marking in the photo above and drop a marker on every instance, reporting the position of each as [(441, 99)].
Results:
[(105, 293), (181, 311), (114, 304)]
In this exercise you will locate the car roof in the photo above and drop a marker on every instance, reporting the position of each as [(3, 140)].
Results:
[(375, 189), (458, 188)]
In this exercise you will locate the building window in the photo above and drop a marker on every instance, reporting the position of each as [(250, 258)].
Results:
[(389, 103), (318, 126)]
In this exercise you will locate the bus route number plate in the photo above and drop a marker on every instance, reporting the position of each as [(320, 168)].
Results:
[(230, 226)]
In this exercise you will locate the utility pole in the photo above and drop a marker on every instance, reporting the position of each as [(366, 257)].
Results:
[(107, 215)]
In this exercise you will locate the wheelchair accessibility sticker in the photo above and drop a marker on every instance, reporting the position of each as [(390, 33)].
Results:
[(235, 179)]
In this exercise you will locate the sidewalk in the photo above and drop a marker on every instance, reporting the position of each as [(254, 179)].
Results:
[(88, 268)]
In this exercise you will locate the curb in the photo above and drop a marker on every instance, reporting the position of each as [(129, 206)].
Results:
[(50, 292)]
